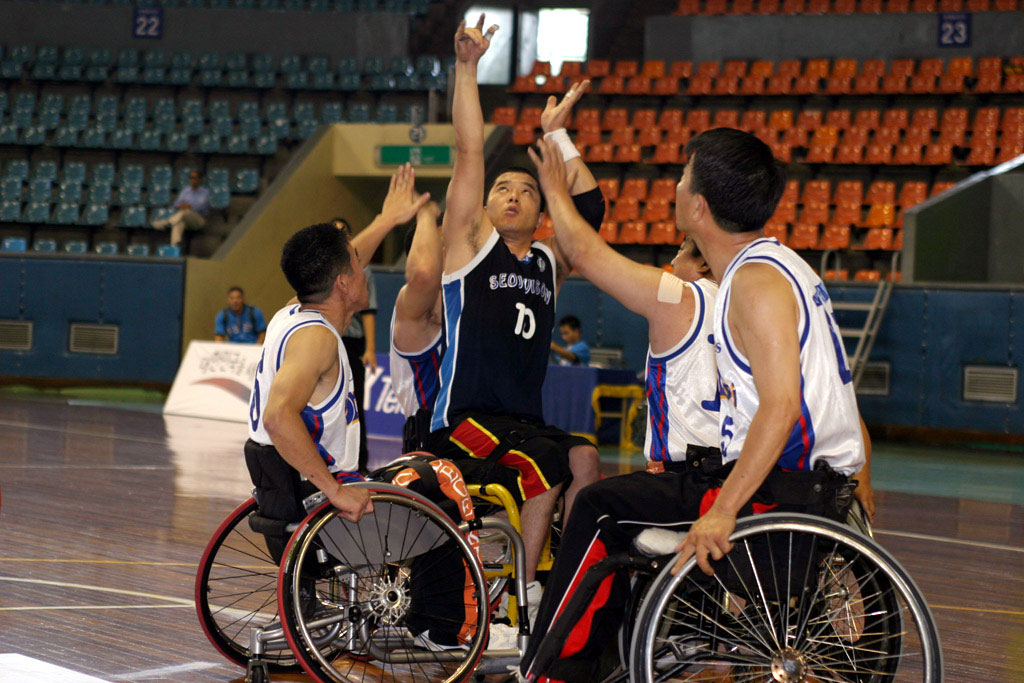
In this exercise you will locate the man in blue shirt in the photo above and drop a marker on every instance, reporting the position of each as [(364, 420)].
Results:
[(190, 209), (238, 322), (575, 351)]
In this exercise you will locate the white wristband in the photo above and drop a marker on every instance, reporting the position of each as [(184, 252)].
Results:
[(561, 138)]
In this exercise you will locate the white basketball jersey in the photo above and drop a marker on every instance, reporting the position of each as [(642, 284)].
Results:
[(681, 385), (415, 376), (829, 424), (332, 422)]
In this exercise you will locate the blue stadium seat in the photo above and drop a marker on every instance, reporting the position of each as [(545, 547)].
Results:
[(297, 81), (263, 63), (322, 81), (181, 177), (24, 101), (46, 55), (168, 251), (10, 212), (48, 119), (66, 213), (33, 136), (245, 181), (122, 138), (236, 61), (22, 54), (126, 74), (437, 82), (8, 134), (220, 198), (179, 76), (154, 58), (160, 176), (182, 60), (238, 79), (135, 106), (128, 195), (160, 214), (348, 65), (133, 217), (106, 248), (153, 75), (69, 192), (100, 56), (305, 129), (44, 72), (3, 101), (374, 65), (221, 127), (73, 172), (386, 113), (16, 168), (303, 111), (191, 108), (266, 144), (319, 5), (350, 82), (400, 66), (128, 56), (36, 212), (250, 128), (10, 189), (208, 143), (248, 109), (219, 109), (281, 129), (138, 250), (275, 110), (102, 174), (100, 194), (331, 113), (209, 60), (238, 144), (318, 65), (40, 190), (131, 175), (290, 64), (106, 106), (96, 214), (427, 65), (44, 245), (80, 104), (159, 195), (359, 112), (75, 247), (148, 140), (69, 72), (11, 70), (211, 78), (96, 74), (264, 81), (405, 82), (14, 245), (177, 141), (382, 82), (94, 138), (73, 56), (218, 178)]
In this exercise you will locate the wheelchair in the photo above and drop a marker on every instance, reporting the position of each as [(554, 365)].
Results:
[(799, 599), (348, 600)]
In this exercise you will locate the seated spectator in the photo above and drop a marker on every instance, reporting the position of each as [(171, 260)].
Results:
[(238, 322), (190, 209), (575, 351)]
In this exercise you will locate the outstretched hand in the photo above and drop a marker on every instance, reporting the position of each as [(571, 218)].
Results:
[(402, 202), (550, 167), (709, 535), (556, 113), (471, 43)]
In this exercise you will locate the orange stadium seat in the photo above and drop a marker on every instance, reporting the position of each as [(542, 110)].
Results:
[(523, 134), (649, 137), (541, 68), (804, 237), (841, 274), (792, 190), (726, 118), (741, 7), (644, 118), (571, 69), (625, 209), (654, 68), (627, 154), (779, 84), (881, 215), (780, 119), (940, 187), (670, 118), (530, 116), (633, 232), (896, 118), (622, 136), (917, 136), (782, 151), (816, 191), (638, 85), (847, 213), (850, 191), (553, 85), (735, 67), (887, 135), (867, 118), (677, 136), (615, 118), (878, 153), (841, 80), (814, 213), (912, 193), (688, 8), (849, 153), (927, 118), (795, 136), (1004, 5), (598, 68), (839, 118), (867, 276), (636, 188), (818, 6), (820, 153), (785, 211), (951, 6), (524, 84), (767, 7), (701, 85), (626, 68), (881, 192), (504, 116), (714, 8), (665, 153), (656, 210), (844, 7), (867, 81), (897, 6), (662, 188), (726, 84), (662, 232), (907, 154), (609, 188), (754, 120), (611, 85), (922, 5), (983, 153), (870, 7), (590, 135), (878, 238), (682, 69), (545, 229), (698, 120), (667, 85), (711, 69), (609, 231), (586, 118), (835, 237), (897, 242), (794, 6), (938, 154), (777, 230), (599, 153)]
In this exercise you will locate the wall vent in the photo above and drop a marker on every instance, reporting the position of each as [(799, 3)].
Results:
[(15, 335), (874, 381), (85, 338), (990, 383)]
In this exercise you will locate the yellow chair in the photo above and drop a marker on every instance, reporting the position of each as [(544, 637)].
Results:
[(631, 396)]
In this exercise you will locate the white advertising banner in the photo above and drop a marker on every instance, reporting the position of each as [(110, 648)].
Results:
[(214, 381)]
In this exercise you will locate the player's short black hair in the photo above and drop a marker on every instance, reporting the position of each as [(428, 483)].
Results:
[(518, 169), (570, 321), (313, 258), (236, 288), (737, 175), (344, 224)]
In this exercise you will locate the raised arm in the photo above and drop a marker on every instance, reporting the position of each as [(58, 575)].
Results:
[(422, 268), (311, 353), (552, 122), (764, 318), (464, 204), (400, 205), (635, 286)]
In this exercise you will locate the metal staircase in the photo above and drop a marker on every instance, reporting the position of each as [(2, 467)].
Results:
[(865, 335)]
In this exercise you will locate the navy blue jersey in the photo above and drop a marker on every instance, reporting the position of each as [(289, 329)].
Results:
[(499, 312)]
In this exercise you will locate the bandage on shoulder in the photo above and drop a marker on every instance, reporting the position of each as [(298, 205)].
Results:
[(670, 290)]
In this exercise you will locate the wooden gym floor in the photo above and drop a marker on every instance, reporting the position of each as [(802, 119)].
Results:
[(106, 511)]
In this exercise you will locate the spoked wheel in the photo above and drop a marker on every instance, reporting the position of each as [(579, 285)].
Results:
[(236, 591), (370, 600), (798, 599), (495, 552)]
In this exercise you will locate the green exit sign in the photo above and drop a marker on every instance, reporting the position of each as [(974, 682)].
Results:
[(417, 155)]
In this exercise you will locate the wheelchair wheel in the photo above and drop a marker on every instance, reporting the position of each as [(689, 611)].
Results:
[(236, 590), (495, 551), (356, 598), (798, 598)]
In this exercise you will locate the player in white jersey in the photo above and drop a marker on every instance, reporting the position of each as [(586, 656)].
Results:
[(416, 342), (302, 412), (786, 393)]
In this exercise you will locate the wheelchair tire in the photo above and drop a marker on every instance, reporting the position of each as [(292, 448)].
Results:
[(236, 588), (347, 592), (824, 603)]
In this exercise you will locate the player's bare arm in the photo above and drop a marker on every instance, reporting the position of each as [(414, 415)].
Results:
[(763, 319), (634, 285), (308, 372), (464, 217), (400, 205), (864, 493), (415, 323)]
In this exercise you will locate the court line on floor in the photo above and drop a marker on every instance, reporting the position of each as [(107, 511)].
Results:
[(87, 561), (164, 671), (41, 608), (946, 539), (1016, 613), (77, 466), (101, 589), (82, 432)]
